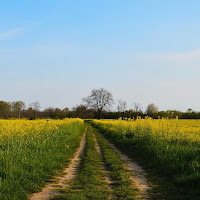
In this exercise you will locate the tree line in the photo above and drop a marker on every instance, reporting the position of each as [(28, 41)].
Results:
[(96, 105)]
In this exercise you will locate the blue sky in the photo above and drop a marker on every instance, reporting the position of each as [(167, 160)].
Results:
[(144, 51)]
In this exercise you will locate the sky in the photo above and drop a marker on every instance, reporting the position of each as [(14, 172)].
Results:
[(56, 52)]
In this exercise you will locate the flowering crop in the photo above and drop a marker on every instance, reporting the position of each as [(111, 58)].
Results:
[(31, 151), (169, 146), (170, 130)]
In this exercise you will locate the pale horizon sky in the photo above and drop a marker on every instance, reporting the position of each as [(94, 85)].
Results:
[(56, 52)]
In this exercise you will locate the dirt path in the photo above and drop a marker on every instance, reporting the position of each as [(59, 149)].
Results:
[(138, 176), (108, 180), (60, 182)]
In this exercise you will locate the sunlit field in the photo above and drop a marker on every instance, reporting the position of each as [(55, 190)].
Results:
[(31, 151), (170, 146), (170, 130)]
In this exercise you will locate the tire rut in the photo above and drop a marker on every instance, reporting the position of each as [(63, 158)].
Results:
[(138, 175), (61, 182), (108, 180)]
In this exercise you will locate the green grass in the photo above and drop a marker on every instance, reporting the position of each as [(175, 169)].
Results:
[(89, 183), (28, 161), (173, 167), (123, 188)]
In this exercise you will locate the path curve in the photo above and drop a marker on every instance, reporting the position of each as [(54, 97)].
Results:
[(60, 182)]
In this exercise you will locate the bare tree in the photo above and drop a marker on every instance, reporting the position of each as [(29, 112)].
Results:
[(99, 99), (36, 108), (137, 107), (122, 107), (152, 108)]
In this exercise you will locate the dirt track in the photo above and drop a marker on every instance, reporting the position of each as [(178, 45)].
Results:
[(103, 166), (138, 176), (60, 182)]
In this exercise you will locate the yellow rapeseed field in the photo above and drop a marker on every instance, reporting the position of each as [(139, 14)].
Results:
[(166, 129), (31, 151), (170, 147)]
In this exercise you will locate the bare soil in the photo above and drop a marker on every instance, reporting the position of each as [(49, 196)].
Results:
[(138, 175), (61, 182)]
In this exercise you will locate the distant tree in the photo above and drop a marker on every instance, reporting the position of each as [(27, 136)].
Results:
[(48, 112), (17, 107), (152, 109), (58, 113), (80, 111), (189, 110), (137, 109), (99, 99), (66, 110), (30, 113), (122, 107), (131, 113), (110, 115), (36, 108), (5, 109)]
